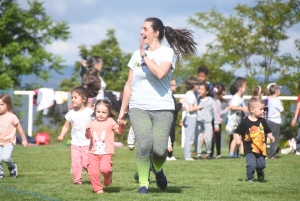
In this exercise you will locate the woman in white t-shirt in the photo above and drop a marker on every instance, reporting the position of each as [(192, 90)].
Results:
[(148, 94)]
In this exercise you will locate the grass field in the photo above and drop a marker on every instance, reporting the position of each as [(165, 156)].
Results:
[(44, 174)]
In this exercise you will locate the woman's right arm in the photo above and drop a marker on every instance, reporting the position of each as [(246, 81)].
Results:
[(126, 96)]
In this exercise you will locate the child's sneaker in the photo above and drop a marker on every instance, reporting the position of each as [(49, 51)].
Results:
[(260, 175), (250, 180), (189, 159), (297, 153), (218, 156), (100, 192), (143, 190), (13, 171), (1, 176)]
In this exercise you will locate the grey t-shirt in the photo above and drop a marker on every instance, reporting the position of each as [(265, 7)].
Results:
[(147, 91)]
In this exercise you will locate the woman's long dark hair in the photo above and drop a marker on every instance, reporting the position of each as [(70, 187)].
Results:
[(180, 40)]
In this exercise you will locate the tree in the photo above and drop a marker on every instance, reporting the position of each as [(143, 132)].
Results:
[(251, 38), (23, 37)]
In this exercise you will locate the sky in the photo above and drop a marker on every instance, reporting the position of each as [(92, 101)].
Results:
[(90, 19)]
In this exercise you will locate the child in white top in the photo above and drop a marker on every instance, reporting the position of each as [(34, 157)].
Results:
[(79, 117), (191, 116), (9, 124), (237, 106)]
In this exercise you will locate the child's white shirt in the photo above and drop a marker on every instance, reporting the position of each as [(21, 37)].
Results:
[(79, 120)]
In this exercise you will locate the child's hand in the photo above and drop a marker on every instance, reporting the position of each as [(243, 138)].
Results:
[(238, 141), (60, 138), (181, 123), (122, 122), (200, 106), (272, 138), (183, 108), (131, 148), (228, 107), (293, 123), (217, 129), (170, 149), (24, 143)]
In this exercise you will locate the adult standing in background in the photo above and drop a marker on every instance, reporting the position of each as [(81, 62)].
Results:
[(97, 63), (148, 94)]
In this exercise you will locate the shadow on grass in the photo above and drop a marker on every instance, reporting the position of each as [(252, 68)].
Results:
[(255, 180), (112, 189)]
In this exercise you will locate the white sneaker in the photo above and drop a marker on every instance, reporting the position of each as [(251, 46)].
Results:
[(292, 143), (286, 150), (189, 159), (297, 153), (172, 158), (168, 159)]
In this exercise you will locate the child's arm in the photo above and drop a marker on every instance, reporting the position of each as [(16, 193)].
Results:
[(244, 109), (270, 135), (293, 123), (64, 130), (216, 116), (192, 108), (88, 133), (120, 127), (21, 132)]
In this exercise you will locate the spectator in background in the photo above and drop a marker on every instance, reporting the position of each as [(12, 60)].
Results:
[(275, 109), (97, 63)]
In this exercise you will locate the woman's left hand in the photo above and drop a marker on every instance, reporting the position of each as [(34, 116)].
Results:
[(142, 50)]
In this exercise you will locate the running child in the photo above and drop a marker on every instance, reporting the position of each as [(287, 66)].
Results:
[(101, 134), (253, 130), (9, 124), (79, 117)]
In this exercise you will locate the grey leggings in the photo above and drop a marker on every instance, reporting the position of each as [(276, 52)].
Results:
[(151, 130)]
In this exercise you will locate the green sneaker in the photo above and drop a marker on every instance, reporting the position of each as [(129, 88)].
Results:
[(250, 180), (261, 175)]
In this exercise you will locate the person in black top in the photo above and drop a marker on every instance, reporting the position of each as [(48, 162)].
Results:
[(251, 131)]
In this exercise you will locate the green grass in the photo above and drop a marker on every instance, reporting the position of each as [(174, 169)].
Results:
[(44, 174)]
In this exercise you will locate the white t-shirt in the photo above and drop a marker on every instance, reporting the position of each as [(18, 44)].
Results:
[(102, 89), (190, 98), (234, 116), (79, 120), (274, 109), (147, 91)]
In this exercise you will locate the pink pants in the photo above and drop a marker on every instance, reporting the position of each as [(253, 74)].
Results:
[(79, 161), (99, 164)]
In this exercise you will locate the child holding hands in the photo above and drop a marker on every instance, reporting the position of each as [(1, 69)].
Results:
[(251, 131), (101, 135), (9, 124)]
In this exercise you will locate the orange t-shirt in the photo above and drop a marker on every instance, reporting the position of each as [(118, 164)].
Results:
[(8, 122), (102, 141)]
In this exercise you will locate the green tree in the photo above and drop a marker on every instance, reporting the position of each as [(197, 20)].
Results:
[(23, 37), (251, 38)]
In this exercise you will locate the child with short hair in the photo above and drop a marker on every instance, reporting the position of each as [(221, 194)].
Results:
[(222, 109), (204, 119), (234, 115), (79, 117), (101, 134), (253, 130), (190, 118), (9, 124), (274, 118)]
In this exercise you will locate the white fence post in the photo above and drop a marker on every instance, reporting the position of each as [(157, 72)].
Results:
[(30, 108)]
